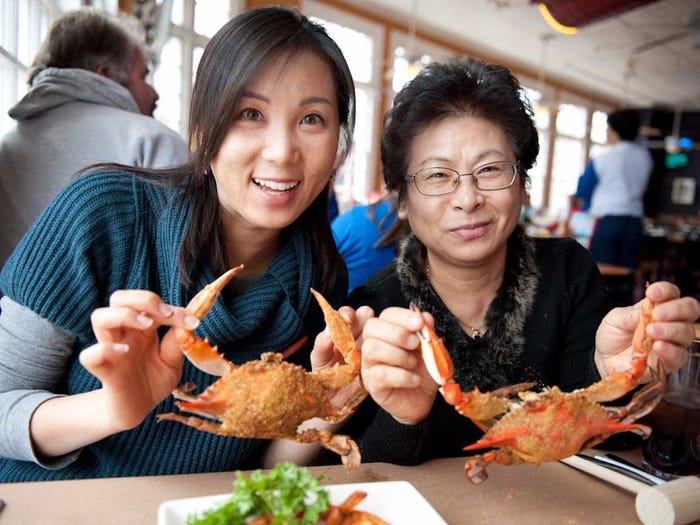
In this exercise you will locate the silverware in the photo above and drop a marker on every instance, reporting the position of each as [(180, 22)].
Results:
[(623, 466)]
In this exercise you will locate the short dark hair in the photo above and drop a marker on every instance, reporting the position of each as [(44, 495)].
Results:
[(87, 39), (458, 86), (625, 123)]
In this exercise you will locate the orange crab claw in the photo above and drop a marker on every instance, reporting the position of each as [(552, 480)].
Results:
[(198, 351), (437, 359), (438, 362), (619, 383), (340, 333)]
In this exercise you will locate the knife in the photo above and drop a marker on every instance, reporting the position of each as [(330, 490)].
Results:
[(626, 467), (606, 473)]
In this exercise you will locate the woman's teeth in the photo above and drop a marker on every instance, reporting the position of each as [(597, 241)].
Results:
[(274, 185)]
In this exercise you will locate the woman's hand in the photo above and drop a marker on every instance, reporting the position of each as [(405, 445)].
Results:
[(324, 353), (671, 328), (393, 371), (136, 369)]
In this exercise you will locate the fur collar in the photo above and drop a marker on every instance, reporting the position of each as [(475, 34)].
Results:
[(494, 359)]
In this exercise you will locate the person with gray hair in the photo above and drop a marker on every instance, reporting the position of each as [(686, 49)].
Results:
[(88, 102)]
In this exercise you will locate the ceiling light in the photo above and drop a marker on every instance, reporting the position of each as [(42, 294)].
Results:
[(553, 23)]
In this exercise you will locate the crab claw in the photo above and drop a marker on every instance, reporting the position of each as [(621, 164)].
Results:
[(198, 351), (340, 333), (438, 362)]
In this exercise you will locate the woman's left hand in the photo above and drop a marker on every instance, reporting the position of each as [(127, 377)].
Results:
[(671, 329)]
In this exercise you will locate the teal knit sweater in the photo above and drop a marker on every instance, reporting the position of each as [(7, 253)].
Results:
[(108, 231)]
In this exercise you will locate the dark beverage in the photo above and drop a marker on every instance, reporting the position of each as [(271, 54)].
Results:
[(674, 445)]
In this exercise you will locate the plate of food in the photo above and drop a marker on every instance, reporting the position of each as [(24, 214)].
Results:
[(291, 489)]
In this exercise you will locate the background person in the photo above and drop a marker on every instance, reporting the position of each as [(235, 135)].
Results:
[(88, 102), (612, 190), (456, 147), (86, 357), (367, 236)]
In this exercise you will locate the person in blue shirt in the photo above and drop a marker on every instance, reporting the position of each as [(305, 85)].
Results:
[(367, 237)]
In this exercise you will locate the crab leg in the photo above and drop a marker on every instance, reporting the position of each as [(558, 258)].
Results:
[(618, 384), (344, 446), (197, 350)]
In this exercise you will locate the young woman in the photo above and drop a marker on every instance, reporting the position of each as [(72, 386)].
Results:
[(91, 291), (456, 148)]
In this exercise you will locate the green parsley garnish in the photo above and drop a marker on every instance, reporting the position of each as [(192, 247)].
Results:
[(288, 493)]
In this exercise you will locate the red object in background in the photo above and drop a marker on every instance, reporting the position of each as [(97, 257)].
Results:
[(578, 13)]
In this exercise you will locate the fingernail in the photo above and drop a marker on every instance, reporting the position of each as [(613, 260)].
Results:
[(191, 322), (144, 320), (165, 310), (120, 347)]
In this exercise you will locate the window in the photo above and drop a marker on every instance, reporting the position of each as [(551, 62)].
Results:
[(579, 134), (569, 156), (538, 172), (24, 24), (599, 133), (193, 23), (361, 41)]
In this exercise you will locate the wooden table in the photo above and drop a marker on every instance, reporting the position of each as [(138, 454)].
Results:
[(552, 493)]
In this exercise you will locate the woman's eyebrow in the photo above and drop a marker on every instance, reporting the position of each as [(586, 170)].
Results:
[(315, 100), (304, 102), (252, 94)]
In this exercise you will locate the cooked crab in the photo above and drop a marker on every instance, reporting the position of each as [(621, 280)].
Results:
[(270, 398), (533, 427)]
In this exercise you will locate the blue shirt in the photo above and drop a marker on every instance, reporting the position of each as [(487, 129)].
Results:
[(356, 231)]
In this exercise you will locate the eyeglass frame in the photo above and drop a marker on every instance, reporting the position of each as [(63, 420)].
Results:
[(516, 171)]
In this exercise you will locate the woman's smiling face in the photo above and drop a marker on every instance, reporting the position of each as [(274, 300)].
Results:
[(282, 146), (468, 227)]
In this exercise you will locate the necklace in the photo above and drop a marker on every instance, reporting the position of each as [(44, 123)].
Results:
[(472, 332), (475, 332)]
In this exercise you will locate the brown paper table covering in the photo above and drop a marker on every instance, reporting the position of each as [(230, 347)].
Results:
[(552, 493)]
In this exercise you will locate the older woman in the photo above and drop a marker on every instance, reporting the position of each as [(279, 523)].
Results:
[(456, 147)]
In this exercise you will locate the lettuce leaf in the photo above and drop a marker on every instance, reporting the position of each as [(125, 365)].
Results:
[(288, 493)]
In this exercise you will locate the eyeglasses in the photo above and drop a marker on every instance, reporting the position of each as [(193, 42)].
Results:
[(487, 177)]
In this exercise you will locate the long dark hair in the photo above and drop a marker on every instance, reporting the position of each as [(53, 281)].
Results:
[(457, 87), (230, 62)]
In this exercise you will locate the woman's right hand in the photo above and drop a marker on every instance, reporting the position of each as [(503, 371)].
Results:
[(393, 371), (136, 368)]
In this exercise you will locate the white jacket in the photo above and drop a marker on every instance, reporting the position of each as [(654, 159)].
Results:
[(68, 120)]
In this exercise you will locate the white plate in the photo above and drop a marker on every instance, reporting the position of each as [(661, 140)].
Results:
[(396, 502)]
